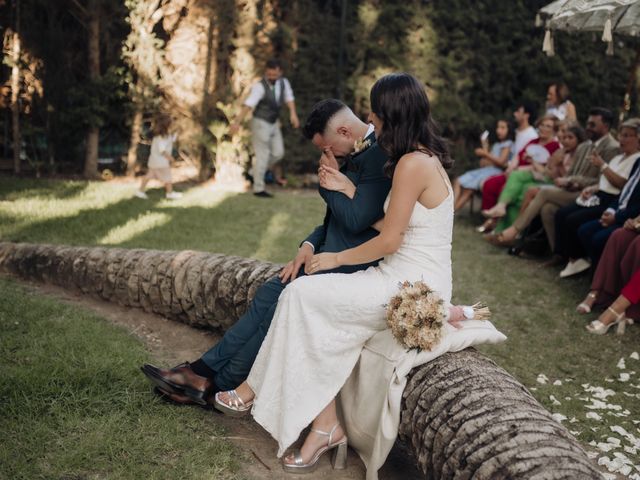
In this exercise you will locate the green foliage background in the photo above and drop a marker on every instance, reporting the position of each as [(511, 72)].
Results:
[(477, 57)]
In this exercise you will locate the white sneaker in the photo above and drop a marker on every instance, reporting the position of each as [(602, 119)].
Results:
[(173, 195), (575, 267), (141, 194)]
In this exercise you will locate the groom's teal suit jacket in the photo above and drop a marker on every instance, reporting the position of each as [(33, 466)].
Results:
[(347, 222)]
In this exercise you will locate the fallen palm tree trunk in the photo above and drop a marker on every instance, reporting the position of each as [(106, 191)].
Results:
[(463, 416)]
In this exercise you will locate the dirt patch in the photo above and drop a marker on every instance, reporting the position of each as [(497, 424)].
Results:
[(171, 343)]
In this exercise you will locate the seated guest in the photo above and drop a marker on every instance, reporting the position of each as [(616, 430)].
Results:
[(620, 259), (594, 234), (566, 189), (558, 103), (571, 135), (523, 115), (491, 163), (620, 309), (530, 172), (595, 199)]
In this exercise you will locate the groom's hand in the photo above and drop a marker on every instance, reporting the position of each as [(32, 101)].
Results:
[(291, 269)]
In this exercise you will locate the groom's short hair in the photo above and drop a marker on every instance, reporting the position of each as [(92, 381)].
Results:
[(320, 115)]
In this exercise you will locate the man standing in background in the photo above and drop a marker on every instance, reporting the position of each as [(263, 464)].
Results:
[(265, 100)]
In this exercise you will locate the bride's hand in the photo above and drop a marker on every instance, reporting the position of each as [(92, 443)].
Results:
[(333, 179), (456, 316), (321, 262)]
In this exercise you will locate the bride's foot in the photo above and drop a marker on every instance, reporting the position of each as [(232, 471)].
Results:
[(236, 403), (587, 304), (319, 441)]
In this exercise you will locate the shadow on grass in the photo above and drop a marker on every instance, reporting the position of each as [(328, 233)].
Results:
[(238, 224), (10, 189)]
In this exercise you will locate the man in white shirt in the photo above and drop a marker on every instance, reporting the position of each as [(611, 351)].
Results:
[(265, 100), (524, 115)]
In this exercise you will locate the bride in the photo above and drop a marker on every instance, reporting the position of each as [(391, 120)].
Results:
[(322, 322)]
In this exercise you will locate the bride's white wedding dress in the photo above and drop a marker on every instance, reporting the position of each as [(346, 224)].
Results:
[(322, 322)]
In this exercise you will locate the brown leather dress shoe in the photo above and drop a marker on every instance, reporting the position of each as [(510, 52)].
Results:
[(178, 399), (181, 380)]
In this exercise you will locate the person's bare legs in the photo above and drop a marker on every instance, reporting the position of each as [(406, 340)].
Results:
[(587, 304), (497, 211), (619, 306), (462, 199), (510, 233), (143, 183), (325, 421)]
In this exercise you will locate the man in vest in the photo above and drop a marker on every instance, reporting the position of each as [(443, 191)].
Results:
[(266, 99)]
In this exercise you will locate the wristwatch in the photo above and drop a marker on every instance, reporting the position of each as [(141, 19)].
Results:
[(603, 167)]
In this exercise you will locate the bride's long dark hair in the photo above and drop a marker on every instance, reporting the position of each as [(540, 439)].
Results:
[(400, 101)]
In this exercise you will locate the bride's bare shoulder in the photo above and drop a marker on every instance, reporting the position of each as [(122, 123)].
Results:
[(418, 161)]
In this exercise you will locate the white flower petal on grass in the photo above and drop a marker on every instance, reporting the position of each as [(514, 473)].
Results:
[(592, 455), (624, 377), (608, 379), (635, 356), (575, 433), (593, 415), (609, 476), (557, 382), (533, 389), (567, 398), (632, 451), (615, 465), (623, 458), (601, 393), (605, 447), (621, 365), (600, 405), (558, 417), (542, 378), (613, 440), (625, 470), (554, 401), (573, 420)]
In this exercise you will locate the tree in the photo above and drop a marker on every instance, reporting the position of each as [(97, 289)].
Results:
[(143, 53), (93, 134), (15, 49)]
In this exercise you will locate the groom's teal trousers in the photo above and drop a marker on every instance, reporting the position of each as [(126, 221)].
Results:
[(231, 359)]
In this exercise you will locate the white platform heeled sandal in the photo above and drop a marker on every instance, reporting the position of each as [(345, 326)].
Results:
[(599, 328), (236, 408), (338, 459)]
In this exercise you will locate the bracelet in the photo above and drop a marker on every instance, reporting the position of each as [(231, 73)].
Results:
[(603, 167)]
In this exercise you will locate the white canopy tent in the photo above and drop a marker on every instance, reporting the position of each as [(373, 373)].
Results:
[(610, 17)]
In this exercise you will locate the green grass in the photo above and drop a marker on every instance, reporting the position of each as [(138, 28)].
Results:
[(73, 404), (81, 213), (531, 305)]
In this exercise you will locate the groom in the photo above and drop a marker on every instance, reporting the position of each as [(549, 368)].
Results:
[(334, 129)]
